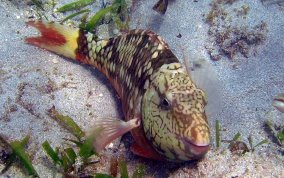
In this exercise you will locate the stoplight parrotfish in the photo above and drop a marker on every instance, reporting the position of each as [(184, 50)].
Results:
[(164, 110)]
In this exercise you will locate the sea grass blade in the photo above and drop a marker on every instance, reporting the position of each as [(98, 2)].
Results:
[(123, 168), (100, 175), (93, 22), (280, 135), (271, 128), (51, 153), (261, 143), (250, 140), (18, 149), (75, 5), (67, 123), (77, 143), (86, 149), (38, 4), (66, 161), (74, 15), (71, 154), (236, 137), (120, 15), (218, 128)]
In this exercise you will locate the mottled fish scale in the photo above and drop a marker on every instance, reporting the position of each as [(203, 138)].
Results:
[(139, 52), (187, 103)]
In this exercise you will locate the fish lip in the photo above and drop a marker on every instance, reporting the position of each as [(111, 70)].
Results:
[(197, 149)]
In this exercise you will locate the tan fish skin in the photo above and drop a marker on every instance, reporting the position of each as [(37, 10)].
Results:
[(155, 89)]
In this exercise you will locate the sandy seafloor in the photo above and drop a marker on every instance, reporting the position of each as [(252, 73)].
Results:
[(247, 87)]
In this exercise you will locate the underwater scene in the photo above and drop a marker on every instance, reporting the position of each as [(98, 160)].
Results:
[(142, 88)]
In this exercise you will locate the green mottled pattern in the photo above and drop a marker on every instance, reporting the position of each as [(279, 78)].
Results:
[(151, 82), (182, 115)]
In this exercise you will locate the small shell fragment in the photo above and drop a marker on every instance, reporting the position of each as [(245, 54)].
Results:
[(55, 60)]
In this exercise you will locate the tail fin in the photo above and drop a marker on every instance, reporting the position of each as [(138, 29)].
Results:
[(56, 38)]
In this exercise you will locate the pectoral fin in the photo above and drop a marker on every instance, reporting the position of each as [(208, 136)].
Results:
[(109, 129)]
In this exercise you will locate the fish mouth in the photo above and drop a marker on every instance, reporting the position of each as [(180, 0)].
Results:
[(197, 150)]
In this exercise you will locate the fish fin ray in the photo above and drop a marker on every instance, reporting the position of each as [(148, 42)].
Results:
[(109, 129)]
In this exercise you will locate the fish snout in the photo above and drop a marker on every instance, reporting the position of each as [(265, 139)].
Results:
[(196, 150), (197, 139)]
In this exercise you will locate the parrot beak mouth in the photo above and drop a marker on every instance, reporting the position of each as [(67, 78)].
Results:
[(198, 150)]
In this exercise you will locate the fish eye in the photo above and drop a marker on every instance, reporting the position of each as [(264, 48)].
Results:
[(165, 103)]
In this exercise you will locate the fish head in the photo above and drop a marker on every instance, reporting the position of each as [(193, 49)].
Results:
[(173, 115)]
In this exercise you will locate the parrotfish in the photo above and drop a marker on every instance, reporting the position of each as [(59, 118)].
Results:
[(163, 108)]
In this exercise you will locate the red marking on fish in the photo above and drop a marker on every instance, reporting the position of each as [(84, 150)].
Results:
[(49, 37)]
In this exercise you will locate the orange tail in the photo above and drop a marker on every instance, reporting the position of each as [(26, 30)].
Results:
[(56, 38)]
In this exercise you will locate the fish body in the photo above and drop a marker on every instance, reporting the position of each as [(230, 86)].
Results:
[(163, 108)]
